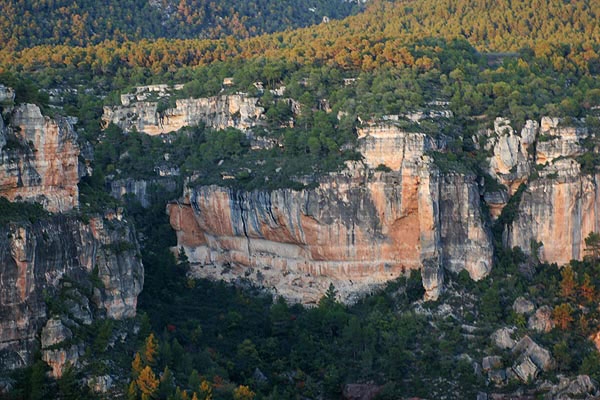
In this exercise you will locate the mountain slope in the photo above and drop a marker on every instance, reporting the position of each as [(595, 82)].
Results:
[(24, 24)]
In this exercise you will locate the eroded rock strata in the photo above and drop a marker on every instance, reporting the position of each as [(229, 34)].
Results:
[(357, 229), (39, 159), (218, 112), (98, 260)]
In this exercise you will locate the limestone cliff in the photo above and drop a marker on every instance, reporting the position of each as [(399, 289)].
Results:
[(218, 112), (357, 229), (558, 209), (560, 203), (95, 266), (39, 159), (92, 268)]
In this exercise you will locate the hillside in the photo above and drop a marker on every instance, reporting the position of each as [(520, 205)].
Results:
[(26, 24), (402, 203)]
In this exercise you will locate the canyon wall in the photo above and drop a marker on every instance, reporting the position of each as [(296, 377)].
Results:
[(39, 159), (368, 224), (58, 271), (357, 229), (218, 112), (560, 202), (94, 267)]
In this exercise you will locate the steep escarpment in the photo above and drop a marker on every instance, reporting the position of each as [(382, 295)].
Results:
[(359, 228), (60, 271), (218, 112), (39, 159), (559, 206), (96, 262)]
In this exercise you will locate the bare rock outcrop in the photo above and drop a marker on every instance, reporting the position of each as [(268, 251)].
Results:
[(218, 112), (358, 229), (39, 260), (39, 159), (559, 209)]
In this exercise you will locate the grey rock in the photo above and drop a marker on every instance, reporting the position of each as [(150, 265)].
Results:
[(538, 355), (541, 320), (100, 384), (523, 306), (526, 369), (502, 338), (490, 363), (34, 259), (259, 377), (54, 332)]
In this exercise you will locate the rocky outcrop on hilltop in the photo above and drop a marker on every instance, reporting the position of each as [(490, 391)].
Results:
[(93, 269), (358, 229), (39, 159), (218, 112)]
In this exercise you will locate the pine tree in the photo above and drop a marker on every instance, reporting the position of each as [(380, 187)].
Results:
[(166, 386), (562, 316), (147, 383), (150, 350), (136, 366), (588, 291), (592, 243), (132, 391), (567, 284), (243, 393)]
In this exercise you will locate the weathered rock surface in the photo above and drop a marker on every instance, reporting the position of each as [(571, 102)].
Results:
[(218, 112), (357, 229), (491, 362), (559, 209), (557, 141), (541, 320), (580, 387), (538, 355), (525, 369), (502, 338), (39, 260), (39, 159), (511, 160), (523, 306), (141, 190)]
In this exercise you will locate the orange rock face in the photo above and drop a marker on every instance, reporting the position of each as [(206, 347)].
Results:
[(357, 230), (559, 210), (39, 162)]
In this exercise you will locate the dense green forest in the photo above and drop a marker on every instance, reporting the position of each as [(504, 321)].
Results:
[(29, 23), (564, 34)]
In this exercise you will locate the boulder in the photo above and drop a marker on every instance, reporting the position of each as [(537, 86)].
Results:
[(526, 369), (523, 306), (502, 338), (538, 355), (55, 332), (491, 362), (541, 321)]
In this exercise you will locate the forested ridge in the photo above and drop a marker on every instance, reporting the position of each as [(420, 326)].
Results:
[(28, 23), (564, 33)]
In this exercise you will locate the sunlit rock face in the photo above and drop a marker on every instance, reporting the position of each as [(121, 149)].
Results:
[(218, 112), (358, 229), (39, 159)]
